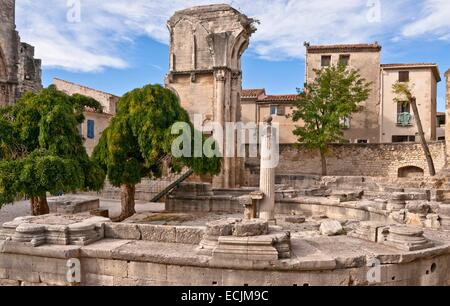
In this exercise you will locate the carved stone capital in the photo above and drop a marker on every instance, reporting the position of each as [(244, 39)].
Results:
[(220, 75)]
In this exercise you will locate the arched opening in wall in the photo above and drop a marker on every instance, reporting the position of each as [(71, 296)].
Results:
[(410, 172)]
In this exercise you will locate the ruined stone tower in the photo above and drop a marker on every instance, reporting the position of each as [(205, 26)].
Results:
[(19, 71), (447, 120), (206, 45)]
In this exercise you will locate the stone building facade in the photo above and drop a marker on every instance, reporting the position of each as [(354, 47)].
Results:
[(397, 121), (363, 126), (206, 45), (20, 72), (380, 119), (96, 122), (256, 106)]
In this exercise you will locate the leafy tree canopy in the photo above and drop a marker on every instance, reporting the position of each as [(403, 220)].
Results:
[(140, 136), (334, 95), (41, 149)]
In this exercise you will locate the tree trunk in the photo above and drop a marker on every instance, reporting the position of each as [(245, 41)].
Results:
[(127, 202), (423, 141), (323, 162), (39, 206)]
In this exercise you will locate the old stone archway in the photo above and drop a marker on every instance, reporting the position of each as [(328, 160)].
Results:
[(410, 172)]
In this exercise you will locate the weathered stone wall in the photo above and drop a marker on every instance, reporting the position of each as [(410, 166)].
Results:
[(447, 114), (383, 160), (19, 71), (133, 263)]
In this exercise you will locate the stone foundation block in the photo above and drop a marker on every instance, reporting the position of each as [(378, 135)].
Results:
[(249, 228), (189, 235), (122, 231), (158, 233)]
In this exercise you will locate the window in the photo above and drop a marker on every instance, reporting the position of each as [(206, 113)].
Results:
[(345, 122), (404, 117), (403, 138), (403, 76), (281, 110), (440, 121), (90, 129), (362, 141), (273, 110), (326, 60), (344, 59)]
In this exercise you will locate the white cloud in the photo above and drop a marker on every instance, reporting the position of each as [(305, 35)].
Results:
[(106, 26), (435, 20)]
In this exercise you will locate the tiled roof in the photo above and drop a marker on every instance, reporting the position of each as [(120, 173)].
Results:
[(433, 66), (343, 48), (280, 98), (408, 65), (448, 72), (252, 93)]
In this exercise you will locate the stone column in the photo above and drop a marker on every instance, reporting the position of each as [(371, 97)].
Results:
[(220, 76), (267, 175)]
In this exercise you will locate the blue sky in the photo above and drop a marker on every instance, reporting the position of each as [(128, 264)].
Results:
[(117, 45)]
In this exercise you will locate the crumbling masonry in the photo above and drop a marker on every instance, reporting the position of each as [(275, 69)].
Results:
[(19, 71), (206, 45)]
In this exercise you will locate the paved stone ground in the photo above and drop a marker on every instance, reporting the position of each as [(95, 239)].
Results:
[(22, 208)]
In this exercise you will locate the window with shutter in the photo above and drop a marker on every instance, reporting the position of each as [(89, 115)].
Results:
[(326, 60), (403, 76), (90, 129)]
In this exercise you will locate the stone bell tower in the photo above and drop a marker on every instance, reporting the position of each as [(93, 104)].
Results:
[(206, 45), (19, 71)]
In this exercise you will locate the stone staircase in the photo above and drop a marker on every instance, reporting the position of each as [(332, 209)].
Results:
[(150, 190)]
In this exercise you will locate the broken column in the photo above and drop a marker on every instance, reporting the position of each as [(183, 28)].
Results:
[(267, 175)]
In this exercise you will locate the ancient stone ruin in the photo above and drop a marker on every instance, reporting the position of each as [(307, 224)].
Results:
[(206, 46), (292, 230), (19, 71)]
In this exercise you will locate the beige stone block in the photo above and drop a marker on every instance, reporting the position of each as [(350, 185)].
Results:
[(132, 282), (189, 235), (104, 267), (97, 280), (54, 279), (193, 276), (158, 233), (3, 273), (122, 231), (49, 265), (147, 271), (8, 282)]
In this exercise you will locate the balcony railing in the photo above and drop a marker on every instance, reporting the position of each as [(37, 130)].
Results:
[(405, 119)]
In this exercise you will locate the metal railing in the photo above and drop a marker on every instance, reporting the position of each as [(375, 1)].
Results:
[(405, 119)]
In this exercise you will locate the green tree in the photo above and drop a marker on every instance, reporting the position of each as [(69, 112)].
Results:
[(321, 108), (42, 151), (405, 96), (139, 137)]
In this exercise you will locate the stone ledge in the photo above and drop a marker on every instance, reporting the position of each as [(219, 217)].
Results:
[(156, 233)]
